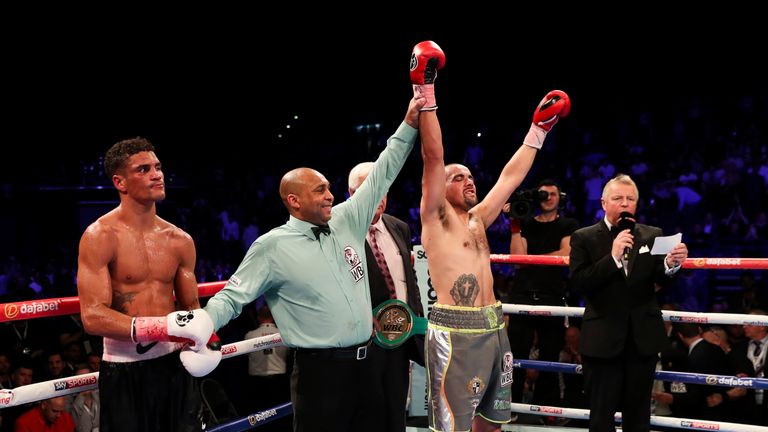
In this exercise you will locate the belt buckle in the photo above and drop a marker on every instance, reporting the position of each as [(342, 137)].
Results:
[(362, 352)]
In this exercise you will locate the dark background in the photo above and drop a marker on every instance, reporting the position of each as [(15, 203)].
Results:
[(222, 85), (207, 87)]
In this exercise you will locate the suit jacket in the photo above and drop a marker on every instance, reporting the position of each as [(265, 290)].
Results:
[(401, 233), (742, 364), (705, 359), (618, 305)]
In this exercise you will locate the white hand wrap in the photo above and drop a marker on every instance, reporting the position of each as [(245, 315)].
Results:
[(535, 137), (427, 91)]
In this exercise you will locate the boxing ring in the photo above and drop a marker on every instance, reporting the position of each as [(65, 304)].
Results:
[(70, 305)]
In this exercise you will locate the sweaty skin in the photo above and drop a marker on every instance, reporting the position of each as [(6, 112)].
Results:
[(454, 223), (131, 262)]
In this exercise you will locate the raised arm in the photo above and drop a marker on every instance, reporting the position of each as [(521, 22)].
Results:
[(555, 104), (426, 59), (511, 177), (433, 179)]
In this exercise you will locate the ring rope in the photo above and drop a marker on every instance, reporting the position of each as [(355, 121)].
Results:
[(256, 419), (48, 389), (71, 305), (689, 263), (674, 316), (75, 384), (674, 422), (686, 377)]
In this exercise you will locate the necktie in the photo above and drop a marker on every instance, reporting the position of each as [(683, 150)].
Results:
[(382, 263), (759, 368), (325, 229)]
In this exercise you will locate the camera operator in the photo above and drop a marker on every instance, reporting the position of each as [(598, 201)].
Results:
[(548, 233)]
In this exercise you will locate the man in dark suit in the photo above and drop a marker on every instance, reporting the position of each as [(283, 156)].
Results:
[(390, 276), (756, 354), (698, 400), (622, 331)]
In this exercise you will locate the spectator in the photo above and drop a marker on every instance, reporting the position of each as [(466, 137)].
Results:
[(86, 407), (269, 381), (49, 416)]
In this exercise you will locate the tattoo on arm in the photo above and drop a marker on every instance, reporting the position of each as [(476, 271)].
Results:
[(120, 301), (465, 290)]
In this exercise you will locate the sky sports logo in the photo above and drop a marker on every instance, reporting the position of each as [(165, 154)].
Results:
[(699, 425), (546, 409), (698, 320), (75, 383)]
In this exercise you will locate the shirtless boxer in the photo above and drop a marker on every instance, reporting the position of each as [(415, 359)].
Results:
[(469, 362), (130, 265)]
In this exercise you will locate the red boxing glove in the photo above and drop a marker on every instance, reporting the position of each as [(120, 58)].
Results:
[(426, 59), (555, 104), (514, 225)]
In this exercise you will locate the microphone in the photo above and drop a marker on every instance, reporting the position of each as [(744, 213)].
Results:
[(626, 221)]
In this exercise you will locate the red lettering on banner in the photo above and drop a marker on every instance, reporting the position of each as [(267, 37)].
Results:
[(708, 426), (551, 410), (81, 381)]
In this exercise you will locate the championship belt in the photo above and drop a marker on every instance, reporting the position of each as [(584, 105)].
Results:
[(397, 323)]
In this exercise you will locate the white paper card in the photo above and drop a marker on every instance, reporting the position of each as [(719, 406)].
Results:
[(662, 245)]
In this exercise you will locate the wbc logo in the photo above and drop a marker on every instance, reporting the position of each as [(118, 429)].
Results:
[(356, 270)]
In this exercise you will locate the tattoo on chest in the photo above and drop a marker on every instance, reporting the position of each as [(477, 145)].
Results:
[(465, 290), (120, 301)]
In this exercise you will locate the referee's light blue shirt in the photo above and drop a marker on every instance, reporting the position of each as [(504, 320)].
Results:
[(317, 290)]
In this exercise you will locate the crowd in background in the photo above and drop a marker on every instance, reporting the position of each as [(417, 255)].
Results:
[(701, 173)]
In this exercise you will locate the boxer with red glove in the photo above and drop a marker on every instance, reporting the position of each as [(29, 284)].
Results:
[(556, 104), (426, 59)]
